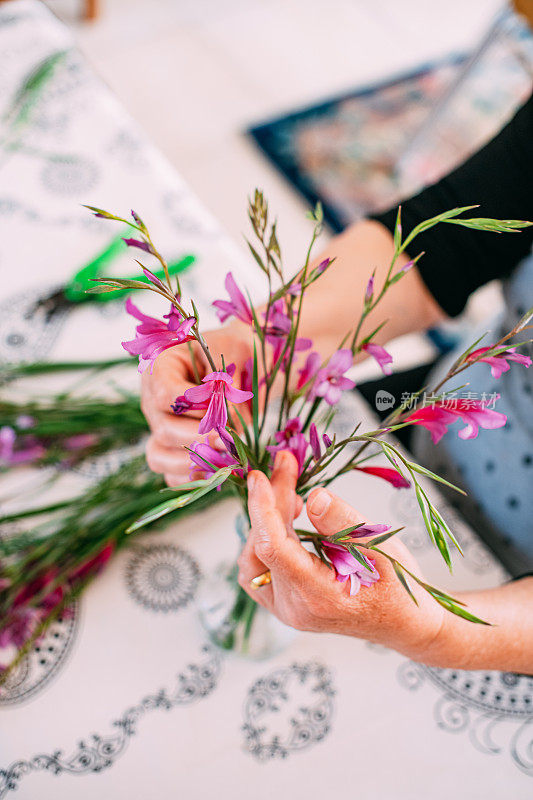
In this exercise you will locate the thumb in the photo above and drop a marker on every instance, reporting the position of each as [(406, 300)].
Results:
[(329, 514), (269, 536)]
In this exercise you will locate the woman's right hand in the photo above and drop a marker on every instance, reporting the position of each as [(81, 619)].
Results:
[(172, 374)]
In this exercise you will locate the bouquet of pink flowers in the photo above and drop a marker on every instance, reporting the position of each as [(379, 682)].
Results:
[(286, 395)]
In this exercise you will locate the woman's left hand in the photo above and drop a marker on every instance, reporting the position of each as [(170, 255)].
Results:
[(304, 592)]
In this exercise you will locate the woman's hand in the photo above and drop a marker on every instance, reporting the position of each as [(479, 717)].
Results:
[(173, 373), (304, 592)]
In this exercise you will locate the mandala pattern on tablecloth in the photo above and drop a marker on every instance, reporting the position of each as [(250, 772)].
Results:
[(288, 710), (495, 709), (99, 752), (162, 577), (43, 662), (27, 333)]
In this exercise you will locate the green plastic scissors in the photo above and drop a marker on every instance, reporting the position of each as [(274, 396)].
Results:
[(75, 291)]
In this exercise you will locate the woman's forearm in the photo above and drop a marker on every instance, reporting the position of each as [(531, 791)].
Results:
[(506, 645), (333, 304)]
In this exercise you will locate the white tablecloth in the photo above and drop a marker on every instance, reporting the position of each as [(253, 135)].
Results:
[(127, 699)]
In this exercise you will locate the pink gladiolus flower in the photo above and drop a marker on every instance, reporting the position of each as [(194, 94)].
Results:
[(93, 565), (314, 441), (19, 627), (236, 306), (181, 405), (139, 244), (11, 456), (153, 336), (330, 382), (34, 588), (437, 418), (309, 370), (292, 439), (278, 328), (407, 267), (218, 458), (346, 566), (369, 291), (25, 422), (216, 388), (247, 379), (388, 474), (499, 364), (80, 441), (383, 358), (322, 267), (327, 441)]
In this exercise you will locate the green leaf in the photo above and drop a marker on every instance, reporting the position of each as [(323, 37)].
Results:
[(244, 426), (180, 502), (421, 498), (239, 446), (105, 214), (185, 487), (446, 528), (433, 476), (257, 257), (123, 283), (459, 612), (398, 229), (273, 243), (345, 532), (358, 556), (401, 577), (492, 225), (377, 540), (257, 324), (442, 544), (525, 320), (255, 399), (102, 289)]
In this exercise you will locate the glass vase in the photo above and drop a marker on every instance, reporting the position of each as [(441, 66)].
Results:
[(233, 620)]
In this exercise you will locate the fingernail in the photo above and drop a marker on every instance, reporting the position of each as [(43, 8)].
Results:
[(251, 481), (319, 503)]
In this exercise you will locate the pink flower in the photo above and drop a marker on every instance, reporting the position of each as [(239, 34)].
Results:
[(278, 327), (236, 306), (19, 627), (216, 388), (388, 474), (201, 452), (11, 455), (153, 336), (330, 382), (247, 379), (499, 364), (139, 244), (369, 291), (436, 418), (80, 441), (181, 405), (347, 566), (383, 358), (292, 439), (34, 588), (93, 565), (314, 441), (309, 370)]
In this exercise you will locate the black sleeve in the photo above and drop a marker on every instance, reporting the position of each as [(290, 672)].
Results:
[(499, 178)]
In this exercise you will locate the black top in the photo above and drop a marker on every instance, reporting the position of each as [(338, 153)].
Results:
[(499, 178)]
